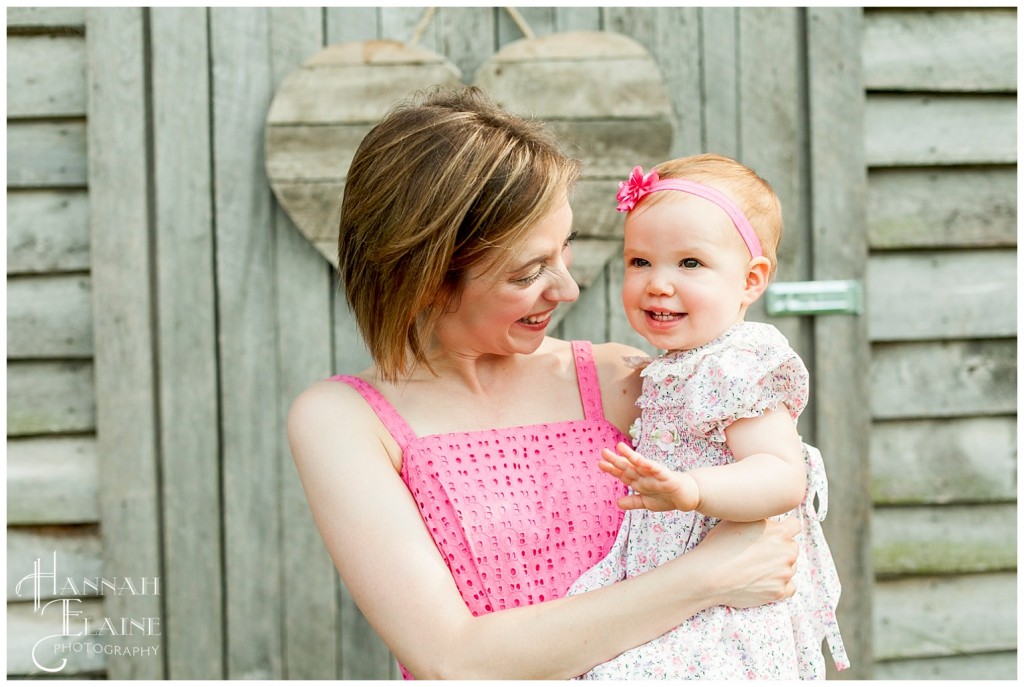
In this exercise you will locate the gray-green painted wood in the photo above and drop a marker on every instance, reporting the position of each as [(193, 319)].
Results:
[(123, 316)]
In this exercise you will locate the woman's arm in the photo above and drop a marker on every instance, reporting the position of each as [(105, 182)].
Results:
[(767, 478), (389, 563)]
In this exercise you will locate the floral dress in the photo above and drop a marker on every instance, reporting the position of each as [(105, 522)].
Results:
[(688, 400)]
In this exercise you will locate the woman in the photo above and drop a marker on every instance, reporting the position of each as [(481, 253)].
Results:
[(455, 482)]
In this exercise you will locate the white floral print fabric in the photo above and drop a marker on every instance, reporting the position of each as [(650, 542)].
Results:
[(689, 399)]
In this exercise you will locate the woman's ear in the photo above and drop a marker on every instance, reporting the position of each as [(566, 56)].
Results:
[(758, 272)]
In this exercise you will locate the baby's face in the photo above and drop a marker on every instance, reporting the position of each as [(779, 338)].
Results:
[(686, 271)]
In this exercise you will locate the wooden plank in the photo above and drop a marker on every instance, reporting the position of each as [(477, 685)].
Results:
[(315, 201), (539, 20), (123, 314), (367, 91), (589, 260), (344, 24), (46, 154), (772, 141), (940, 207), (85, 657), (941, 540), (49, 317), (187, 331), (400, 23), (945, 616), (621, 88), (587, 319), (360, 653), (608, 148), (838, 238), (991, 666), (903, 130), (45, 18), (303, 356), (577, 18), (469, 36), (47, 231), (250, 412), (946, 379), (50, 397), (358, 650), (312, 153), (589, 257), (593, 209), (720, 105), (630, 21), (949, 49), (956, 460), (52, 480), (79, 557), (316, 205), (45, 76), (966, 294), (672, 35)]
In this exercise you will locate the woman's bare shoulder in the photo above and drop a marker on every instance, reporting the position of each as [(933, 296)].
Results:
[(615, 354), (325, 398), (334, 413)]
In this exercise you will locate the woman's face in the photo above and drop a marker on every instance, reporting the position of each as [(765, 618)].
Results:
[(508, 312)]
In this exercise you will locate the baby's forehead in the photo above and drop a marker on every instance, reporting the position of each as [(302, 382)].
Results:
[(671, 201), (682, 219)]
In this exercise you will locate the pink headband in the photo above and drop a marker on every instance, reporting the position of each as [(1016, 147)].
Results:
[(639, 185)]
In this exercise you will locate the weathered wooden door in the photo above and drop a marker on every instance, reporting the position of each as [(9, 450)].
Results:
[(232, 312)]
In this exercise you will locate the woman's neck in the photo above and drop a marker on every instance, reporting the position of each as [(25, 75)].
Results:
[(478, 373)]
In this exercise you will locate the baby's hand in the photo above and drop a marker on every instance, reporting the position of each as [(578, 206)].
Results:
[(656, 487)]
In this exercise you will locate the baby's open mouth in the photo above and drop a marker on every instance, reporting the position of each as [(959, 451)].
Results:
[(662, 316)]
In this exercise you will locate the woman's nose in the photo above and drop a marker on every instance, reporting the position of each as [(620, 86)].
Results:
[(563, 287)]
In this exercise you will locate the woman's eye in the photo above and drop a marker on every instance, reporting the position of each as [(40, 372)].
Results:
[(572, 237), (690, 263), (530, 278)]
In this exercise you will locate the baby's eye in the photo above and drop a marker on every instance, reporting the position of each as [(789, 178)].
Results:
[(637, 262), (690, 263)]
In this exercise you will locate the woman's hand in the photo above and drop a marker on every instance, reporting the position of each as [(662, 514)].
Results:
[(756, 560)]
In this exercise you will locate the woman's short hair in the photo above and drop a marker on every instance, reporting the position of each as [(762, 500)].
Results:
[(754, 196), (447, 182)]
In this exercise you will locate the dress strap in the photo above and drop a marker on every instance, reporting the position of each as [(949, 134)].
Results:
[(399, 429), (586, 374)]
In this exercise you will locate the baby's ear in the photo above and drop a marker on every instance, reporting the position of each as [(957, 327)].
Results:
[(758, 272)]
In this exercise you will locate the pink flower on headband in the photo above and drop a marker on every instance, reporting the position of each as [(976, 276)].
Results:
[(634, 188)]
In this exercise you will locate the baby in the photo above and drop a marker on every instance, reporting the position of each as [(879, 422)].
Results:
[(717, 435)]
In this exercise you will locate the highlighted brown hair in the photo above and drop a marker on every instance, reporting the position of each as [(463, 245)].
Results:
[(445, 183)]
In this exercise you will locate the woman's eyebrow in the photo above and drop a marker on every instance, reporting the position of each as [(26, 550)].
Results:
[(540, 258), (519, 267)]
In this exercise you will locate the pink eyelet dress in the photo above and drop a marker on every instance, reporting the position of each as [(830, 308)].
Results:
[(517, 513)]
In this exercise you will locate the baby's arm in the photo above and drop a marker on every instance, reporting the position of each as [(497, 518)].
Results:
[(767, 478)]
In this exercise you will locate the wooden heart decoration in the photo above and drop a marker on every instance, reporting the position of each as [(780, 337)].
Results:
[(602, 93)]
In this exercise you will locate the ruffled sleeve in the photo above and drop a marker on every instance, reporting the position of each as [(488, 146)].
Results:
[(747, 372)]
